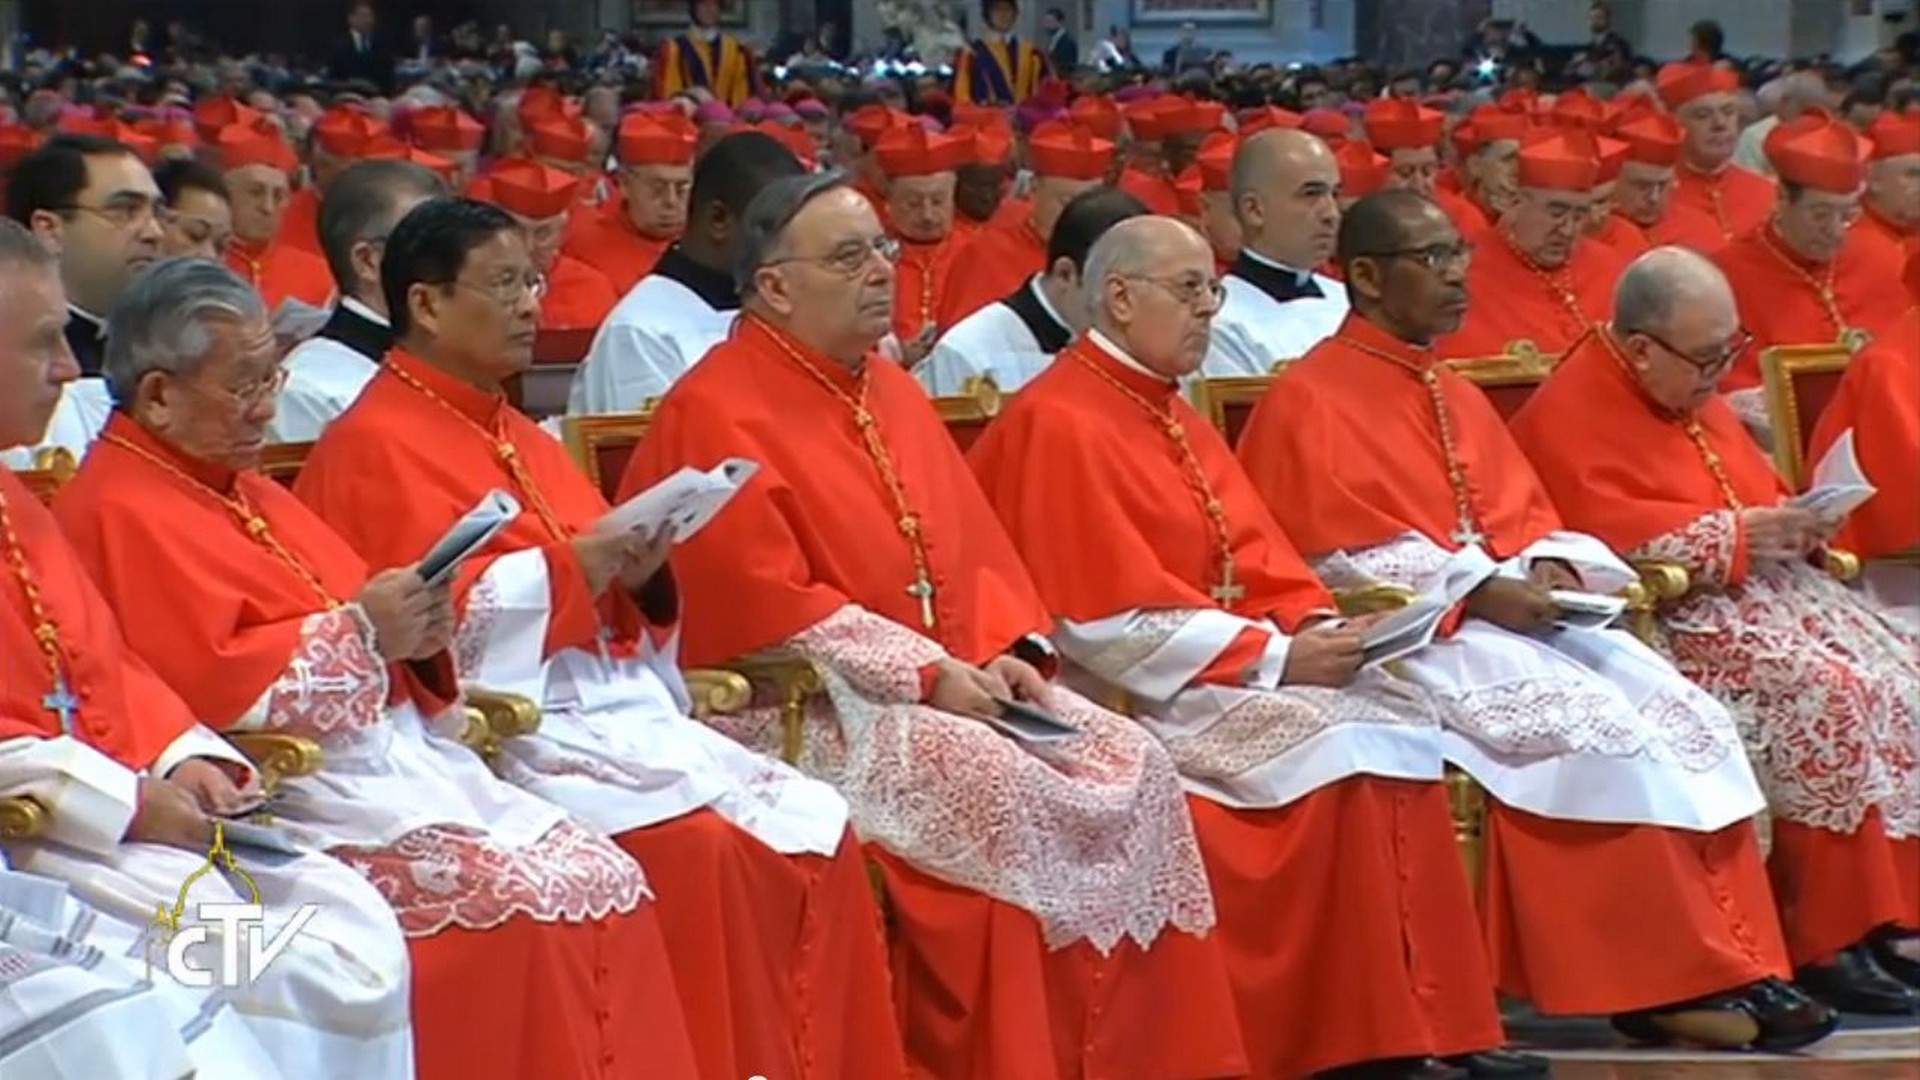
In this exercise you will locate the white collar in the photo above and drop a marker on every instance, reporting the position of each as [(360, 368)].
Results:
[(1302, 275), (365, 312), (1046, 305), (1106, 344)]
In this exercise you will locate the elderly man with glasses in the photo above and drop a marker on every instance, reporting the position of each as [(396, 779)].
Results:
[(93, 204), (1632, 439), (761, 892), (1146, 539), (1058, 886), (1622, 874)]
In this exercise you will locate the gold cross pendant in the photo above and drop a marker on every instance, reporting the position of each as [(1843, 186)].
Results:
[(922, 590), (1229, 590)]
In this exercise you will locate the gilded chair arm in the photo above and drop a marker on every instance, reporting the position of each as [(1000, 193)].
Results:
[(717, 692), (1663, 581), (794, 680), (1843, 565), (278, 755), (494, 716), (23, 817), (1368, 599), (1909, 557)]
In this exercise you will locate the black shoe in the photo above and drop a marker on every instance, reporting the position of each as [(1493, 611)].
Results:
[(1899, 967), (1502, 1063), (1395, 1069), (1789, 1019), (1717, 1022), (1854, 983)]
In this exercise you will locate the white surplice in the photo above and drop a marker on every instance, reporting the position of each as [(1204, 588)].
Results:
[(995, 342), (1570, 724), (335, 1003), (616, 746), (1252, 331), (324, 379), (417, 812), (653, 335), (84, 407)]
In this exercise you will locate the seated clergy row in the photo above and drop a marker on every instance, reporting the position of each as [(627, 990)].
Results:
[(1120, 922)]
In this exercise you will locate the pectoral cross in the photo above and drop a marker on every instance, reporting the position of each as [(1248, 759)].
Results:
[(1228, 590), (1467, 535), (922, 590), (61, 703)]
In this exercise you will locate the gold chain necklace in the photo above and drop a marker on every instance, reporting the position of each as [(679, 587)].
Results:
[(1468, 530), (1228, 590), (1688, 423), (1852, 337), (46, 631), (1552, 280), (243, 511), (503, 450), (907, 520)]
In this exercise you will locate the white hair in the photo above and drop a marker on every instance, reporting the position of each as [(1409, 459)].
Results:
[(160, 321)]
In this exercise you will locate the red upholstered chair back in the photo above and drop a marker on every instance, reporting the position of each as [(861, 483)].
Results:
[(562, 346), (1509, 379), (602, 445), (1800, 381), (52, 468), (1228, 401), (967, 414), (282, 462)]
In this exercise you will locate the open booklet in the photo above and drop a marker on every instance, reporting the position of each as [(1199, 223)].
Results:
[(683, 502), (1031, 724), (1413, 627), (1585, 610), (495, 511), (1839, 484)]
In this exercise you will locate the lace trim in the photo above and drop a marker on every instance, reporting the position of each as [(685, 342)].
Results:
[(1147, 633), (476, 624), (335, 685), (1093, 839), (1705, 546), (445, 876), (1548, 717), (1261, 727), (1825, 687), (1407, 559)]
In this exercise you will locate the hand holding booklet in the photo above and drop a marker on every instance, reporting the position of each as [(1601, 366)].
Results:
[(1585, 610), (1839, 484), (682, 503), (1412, 628), (1030, 723), (495, 511)]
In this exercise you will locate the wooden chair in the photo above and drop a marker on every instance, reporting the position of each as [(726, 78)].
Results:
[(1228, 401), (968, 413), (1799, 381), (282, 462), (601, 444), (1509, 379)]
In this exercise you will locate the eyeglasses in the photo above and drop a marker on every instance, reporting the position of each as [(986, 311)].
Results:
[(1188, 290), (121, 213), (1712, 366), (1434, 257), (248, 395), (508, 291), (848, 259)]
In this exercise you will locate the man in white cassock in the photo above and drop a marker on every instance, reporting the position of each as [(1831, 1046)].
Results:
[(127, 778), (1014, 339), (1286, 186), (687, 304), (326, 372)]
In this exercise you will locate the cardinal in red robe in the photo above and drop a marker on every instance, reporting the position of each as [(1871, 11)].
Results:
[(1385, 465), (574, 296), (863, 545), (446, 132), (259, 168), (1173, 127), (1643, 196), (1536, 277), (1066, 161), (1637, 448), (1889, 224), (626, 237), (263, 619), (1803, 278), (767, 914), (1408, 134), (1700, 95), (1879, 402), (339, 137), (920, 167), (1145, 538)]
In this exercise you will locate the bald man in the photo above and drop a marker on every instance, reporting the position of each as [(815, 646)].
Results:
[(1285, 190), (1168, 581), (1638, 448)]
